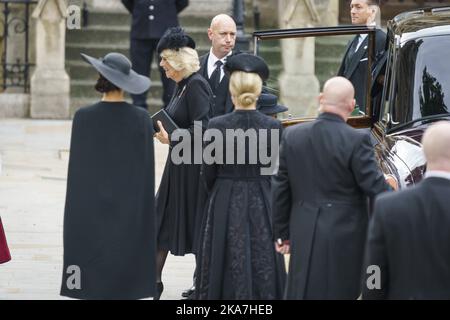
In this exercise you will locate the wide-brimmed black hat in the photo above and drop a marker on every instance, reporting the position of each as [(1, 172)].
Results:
[(116, 68), (174, 39), (268, 104), (248, 63)]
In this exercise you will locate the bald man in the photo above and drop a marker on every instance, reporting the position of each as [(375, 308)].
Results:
[(409, 234), (327, 170), (222, 34)]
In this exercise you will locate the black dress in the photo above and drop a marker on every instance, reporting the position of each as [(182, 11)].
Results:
[(237, 258), (109, 218), (176, 200)]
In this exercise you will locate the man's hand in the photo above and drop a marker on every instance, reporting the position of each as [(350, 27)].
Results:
[(162, 134)]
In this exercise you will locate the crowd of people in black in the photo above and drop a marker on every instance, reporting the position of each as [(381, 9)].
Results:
[(238, 222)]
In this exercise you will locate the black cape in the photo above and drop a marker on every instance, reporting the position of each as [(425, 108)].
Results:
[(109, 218)]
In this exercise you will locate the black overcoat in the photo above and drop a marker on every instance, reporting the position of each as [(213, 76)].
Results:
[(409, 240), (355, 69), (222, 103), (109, 218), (327, 169), (177, 200), (151, 18), (237, 258)]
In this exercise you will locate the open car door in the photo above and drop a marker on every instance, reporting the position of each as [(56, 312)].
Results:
[(330, 47)]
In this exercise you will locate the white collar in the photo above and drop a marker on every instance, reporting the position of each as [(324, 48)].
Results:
[(437, 174)]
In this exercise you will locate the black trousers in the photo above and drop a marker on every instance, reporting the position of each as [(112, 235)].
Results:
[(141, 54)]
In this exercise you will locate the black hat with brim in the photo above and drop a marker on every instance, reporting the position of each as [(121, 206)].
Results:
[(116, 68), (268, 104), (174, 39), (247, 63)]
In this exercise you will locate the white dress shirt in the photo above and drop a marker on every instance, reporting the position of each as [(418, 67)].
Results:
[(212, 59), (437, 174)]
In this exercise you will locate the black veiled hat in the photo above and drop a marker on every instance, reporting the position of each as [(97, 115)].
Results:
[(248, 63), (174, 39), (268, 104)]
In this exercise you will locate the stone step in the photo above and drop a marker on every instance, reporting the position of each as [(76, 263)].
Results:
[(98, 50), (120, 35), (114, 18)]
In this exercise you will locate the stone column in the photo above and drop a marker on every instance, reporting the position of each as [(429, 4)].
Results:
[(299, 85), (50, 84)]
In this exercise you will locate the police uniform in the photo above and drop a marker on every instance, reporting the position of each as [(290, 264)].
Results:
[(150, 19)]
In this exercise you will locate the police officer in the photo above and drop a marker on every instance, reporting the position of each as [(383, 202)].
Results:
[(150, 19)]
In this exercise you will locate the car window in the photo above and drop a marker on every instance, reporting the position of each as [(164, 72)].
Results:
[(422, 86), (317, 66)]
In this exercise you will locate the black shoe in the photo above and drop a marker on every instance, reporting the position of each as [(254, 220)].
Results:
[(189, 292), (159, 290)]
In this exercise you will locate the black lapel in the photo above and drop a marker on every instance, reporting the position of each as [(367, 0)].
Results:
[(357, 57), (204, 66)]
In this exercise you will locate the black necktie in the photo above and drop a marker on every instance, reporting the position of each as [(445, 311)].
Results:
[(214, 80)]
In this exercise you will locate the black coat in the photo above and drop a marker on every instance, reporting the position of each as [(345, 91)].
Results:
[(327, 169), (222, 103), (176, 201), (151, 18), (109, 218), (237, 259), (409, 240), (356, 68)]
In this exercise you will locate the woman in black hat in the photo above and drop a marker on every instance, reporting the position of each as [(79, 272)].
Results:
[(109, 218), (177, 200), (237, 260), (268, 104)]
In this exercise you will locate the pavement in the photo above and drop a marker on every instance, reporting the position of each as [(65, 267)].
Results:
[(33, 177)]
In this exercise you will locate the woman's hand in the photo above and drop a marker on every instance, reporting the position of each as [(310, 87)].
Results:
[(162, 134)]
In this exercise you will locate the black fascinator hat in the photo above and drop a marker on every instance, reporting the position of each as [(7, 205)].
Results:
[(248, 63), (174, 39)]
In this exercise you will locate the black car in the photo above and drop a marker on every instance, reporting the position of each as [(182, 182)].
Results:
[(416, 90)]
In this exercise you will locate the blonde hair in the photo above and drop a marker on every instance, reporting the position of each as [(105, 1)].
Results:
[(184, 60), (245, 87)]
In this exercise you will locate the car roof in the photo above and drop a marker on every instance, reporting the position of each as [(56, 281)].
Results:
[(421, 23)]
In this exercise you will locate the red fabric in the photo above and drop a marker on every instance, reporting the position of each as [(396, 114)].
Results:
[(4, 251)]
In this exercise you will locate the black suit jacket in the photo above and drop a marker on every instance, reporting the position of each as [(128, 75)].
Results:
[(151, 18), (327, 170), (409, 239), (356, 70), (222, 99)]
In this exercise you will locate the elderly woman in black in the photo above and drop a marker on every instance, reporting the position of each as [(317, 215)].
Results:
[(237, 258), (109, 218), (176, 200)]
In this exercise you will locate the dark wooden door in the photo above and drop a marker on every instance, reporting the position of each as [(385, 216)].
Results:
[(389, 8)]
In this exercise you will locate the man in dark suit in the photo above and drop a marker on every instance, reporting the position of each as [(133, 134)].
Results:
[(354, 63), (150, 19), (327, 169), (222, 34), (408, 246)]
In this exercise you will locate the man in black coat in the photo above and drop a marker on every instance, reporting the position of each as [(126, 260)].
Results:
[(408, 246), (222, 34), (327, 170), (354, 63), (150, 19)]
